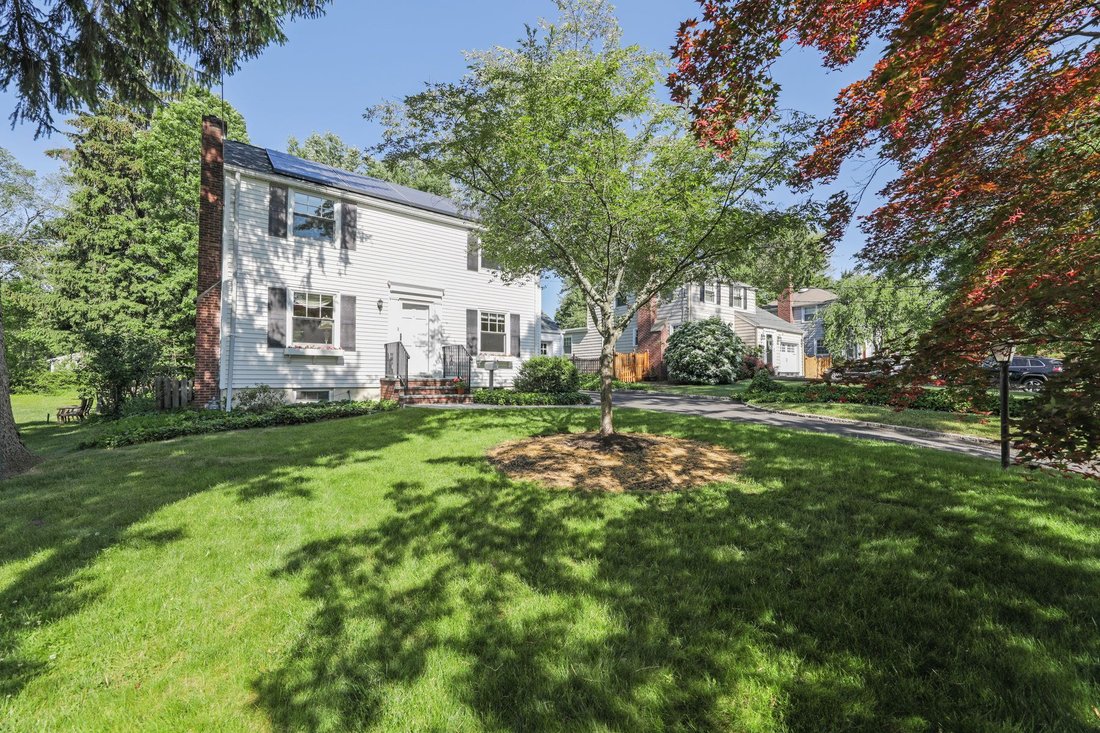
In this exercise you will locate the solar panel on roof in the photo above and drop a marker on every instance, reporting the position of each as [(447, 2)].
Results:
[(346, 180)]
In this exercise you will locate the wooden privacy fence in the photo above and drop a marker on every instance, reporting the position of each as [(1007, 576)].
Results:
[(815, 366), (628, 367), (631, 367), (171, 393)]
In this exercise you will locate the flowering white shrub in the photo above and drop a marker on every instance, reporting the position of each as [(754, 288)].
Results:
[(704, 352)]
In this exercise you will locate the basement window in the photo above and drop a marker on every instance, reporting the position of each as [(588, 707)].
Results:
[(313, 395)]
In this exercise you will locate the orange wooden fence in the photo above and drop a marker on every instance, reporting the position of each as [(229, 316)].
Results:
[(631, 367), (815, 366)]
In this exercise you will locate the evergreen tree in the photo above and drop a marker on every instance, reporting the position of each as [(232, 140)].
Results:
[(571, 312), (129, 254)]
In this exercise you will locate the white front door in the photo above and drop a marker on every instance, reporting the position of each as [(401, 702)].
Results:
[(415, 334)]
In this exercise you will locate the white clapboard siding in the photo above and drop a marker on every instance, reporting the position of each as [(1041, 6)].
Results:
[(392, 247)]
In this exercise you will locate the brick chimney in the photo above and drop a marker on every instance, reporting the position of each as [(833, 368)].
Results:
[(208, 307), (650, 341), (784, 308)]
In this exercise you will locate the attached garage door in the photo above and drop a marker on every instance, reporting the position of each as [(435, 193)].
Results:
[(789, 358)]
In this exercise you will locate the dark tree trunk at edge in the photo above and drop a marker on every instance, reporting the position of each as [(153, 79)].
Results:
[(14, 456)]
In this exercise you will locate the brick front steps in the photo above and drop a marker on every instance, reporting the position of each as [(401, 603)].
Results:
[(423, 392)]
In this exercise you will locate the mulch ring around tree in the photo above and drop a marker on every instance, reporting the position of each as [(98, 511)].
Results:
[(624, 462)]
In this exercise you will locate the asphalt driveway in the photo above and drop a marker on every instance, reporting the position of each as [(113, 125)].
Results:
[(729, 410)]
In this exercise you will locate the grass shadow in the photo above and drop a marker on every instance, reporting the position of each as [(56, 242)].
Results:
[(838, 585), (60, 517)]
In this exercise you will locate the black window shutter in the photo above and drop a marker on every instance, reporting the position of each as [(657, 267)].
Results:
[(471, 330), (702, 292), (347, 322), (718, 293), (731, 294), (276, 317), (348, 221), (471, 251), (276, 211), (515, 334)]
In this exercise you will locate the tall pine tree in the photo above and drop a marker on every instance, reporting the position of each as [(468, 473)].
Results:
[(128, 260)]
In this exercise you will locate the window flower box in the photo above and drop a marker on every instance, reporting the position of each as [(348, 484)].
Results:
[(312, 350)]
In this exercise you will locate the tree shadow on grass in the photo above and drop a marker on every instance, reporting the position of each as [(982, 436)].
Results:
[(839, 586), (58, 518)]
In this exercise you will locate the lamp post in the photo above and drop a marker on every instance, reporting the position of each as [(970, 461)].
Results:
[(1002, 353)]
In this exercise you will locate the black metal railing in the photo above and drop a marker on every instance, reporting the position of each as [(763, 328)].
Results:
[(457, 362), (397, 362), (586, 365)]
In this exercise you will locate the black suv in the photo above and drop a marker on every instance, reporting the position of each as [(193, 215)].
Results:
[(1029, 373)]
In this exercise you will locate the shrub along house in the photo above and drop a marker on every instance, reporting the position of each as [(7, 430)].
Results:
[(778, 342), (331, 285)]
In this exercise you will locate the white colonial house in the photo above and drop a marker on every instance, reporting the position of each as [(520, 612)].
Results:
[(330, 285), (778, 342)]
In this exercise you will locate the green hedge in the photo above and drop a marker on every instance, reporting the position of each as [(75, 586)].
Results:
[(511, 397), (592, 382), (548, 374), (939, 400), (150, 427)]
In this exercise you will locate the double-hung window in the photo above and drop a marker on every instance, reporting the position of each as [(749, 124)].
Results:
[(493, 332), (739, 296), (567, 345), (313, 320), (709, 293), (314, 217)]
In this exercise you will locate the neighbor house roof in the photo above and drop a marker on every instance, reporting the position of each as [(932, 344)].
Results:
[(808, 296), (275, 163), (764, 319), (549, 325)]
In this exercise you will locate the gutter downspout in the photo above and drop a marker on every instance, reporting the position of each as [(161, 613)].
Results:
[(233, 291)]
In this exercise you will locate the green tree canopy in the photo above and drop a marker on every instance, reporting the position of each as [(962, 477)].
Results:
[(67, 55), (26, 208), (572, 311), (129, 253), (890, 314), (330, 149), (573, 166)]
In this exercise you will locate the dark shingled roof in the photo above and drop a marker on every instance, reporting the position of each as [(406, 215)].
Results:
[(764, 319), (273, 162), (549, 325)]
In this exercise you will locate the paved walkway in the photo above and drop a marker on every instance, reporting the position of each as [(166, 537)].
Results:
[(729, 410)]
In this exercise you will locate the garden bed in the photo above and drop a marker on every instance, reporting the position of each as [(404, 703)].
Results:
[(150, 427), (618, 463), (512, 397)]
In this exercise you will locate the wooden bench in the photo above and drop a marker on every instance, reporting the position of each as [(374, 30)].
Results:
[(75, 412)]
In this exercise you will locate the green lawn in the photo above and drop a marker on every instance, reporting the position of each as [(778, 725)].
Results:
[(46, 437), (375, 574), (949, 422)]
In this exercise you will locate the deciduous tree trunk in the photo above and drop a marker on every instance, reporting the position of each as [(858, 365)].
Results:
[(14, 456), (607, 373)]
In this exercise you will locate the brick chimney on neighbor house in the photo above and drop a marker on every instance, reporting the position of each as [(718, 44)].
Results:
[(650, 341), (784, 308), (208, 307)]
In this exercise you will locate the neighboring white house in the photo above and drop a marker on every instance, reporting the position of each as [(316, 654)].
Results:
[(307, 273), (807, 307), (551, 342), (779, 342)]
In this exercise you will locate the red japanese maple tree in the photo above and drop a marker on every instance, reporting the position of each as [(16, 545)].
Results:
[(990, 109)]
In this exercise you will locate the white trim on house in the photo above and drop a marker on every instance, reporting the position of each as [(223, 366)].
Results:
[(401, 254)]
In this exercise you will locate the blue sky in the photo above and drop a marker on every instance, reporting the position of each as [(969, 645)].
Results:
[(332, 68)]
